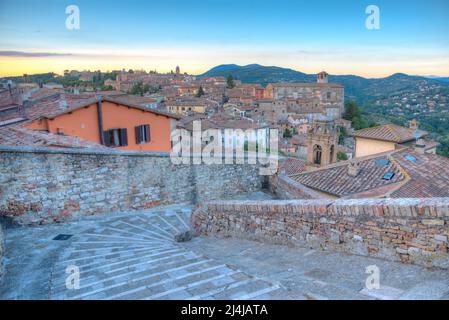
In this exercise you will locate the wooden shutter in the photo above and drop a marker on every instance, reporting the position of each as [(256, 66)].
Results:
[(138, 136), (123, 137), (107, 138), (147, 132)]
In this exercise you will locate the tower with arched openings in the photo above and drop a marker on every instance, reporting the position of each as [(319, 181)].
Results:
[(322, 141)]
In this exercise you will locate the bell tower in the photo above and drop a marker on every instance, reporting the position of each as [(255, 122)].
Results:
[(322, 77), (322, 140)]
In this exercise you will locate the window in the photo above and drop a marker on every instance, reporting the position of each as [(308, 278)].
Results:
[(328, 95), (115, 137), (143, 134)]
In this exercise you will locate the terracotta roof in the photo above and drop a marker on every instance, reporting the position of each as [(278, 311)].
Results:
[(290, 166), (336, 181), (415, 176), (16, 136), (306, 84), (429, 175), (390, 132)]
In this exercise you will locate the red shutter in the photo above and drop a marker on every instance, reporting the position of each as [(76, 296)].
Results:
[(147, 131), (123, 137)]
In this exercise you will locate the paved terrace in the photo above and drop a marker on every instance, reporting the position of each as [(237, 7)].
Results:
[(133, 255)]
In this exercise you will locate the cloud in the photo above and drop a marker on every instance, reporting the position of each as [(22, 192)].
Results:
[(31, 54)]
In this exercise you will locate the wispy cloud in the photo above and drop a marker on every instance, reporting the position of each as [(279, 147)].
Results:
[(31, 54)]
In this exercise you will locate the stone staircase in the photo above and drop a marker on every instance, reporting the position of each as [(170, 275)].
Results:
[(136, 256)]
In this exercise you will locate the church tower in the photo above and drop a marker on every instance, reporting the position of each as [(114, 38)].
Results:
[(322, 141), (178, 71), (322, 77)]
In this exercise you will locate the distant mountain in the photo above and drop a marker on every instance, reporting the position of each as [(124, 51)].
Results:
[(359, 88), (443, 79)]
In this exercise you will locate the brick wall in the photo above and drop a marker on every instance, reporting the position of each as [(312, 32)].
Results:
[(44, 185), (408, 230)]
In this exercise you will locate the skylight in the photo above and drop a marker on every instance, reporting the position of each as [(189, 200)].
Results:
[(382, 162), (410, 158), (388, 176)]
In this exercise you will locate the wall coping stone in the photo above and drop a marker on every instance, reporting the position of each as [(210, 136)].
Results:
[(398, 207)]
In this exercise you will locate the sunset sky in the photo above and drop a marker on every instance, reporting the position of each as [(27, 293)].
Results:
[(307, 36)]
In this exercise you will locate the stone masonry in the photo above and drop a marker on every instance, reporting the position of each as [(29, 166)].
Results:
[(286, 188), (408, 230), (2, 251), (44, 185)]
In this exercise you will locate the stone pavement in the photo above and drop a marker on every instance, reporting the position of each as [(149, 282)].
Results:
[(133, 255)]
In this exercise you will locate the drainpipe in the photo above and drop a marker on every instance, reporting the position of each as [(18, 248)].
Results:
[(100, 119)]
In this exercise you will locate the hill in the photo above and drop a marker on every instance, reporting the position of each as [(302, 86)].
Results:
[(364, 90)]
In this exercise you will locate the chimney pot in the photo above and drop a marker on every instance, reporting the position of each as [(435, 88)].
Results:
[(354, 168), (420, 146)]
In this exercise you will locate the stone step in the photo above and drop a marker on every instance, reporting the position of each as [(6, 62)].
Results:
[(175, 281), (141, 278), (155, 228), (109, 261), (246, 291), (115, 271), (80, 252), (79, 257)]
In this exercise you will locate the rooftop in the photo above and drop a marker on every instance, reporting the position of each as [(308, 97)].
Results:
[(398, 174), (391, 133), (306, 84)]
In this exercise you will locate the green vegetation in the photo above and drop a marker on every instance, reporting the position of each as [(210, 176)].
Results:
[(353, 113), (140, 89), (287, 133), (342, 135), (341, 156), (200, 92), (230, 82)]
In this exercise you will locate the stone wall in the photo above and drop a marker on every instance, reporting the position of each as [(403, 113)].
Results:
[(408, 230), (286, 188), (43, 185), (2, 251)]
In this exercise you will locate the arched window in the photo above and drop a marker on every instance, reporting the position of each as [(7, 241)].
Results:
[(317, 152), (332, 153)]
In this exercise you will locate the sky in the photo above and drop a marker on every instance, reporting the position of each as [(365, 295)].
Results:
[(307, 36)]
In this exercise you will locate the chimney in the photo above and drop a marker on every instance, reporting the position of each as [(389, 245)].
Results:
[(420, 146), (413, 124), (62, 103), (353, 168)]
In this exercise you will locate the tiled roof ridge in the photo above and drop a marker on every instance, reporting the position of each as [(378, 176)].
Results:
[(360, 159)]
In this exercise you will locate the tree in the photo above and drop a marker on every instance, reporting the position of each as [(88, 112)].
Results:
[(287, 133), (342, 135), (200, 92), (137, 89), (230, 82), (341, 156), (353, 114), (352, 111), (106, 88)]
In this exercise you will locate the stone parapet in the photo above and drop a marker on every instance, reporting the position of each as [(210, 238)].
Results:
[(408, 230)]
